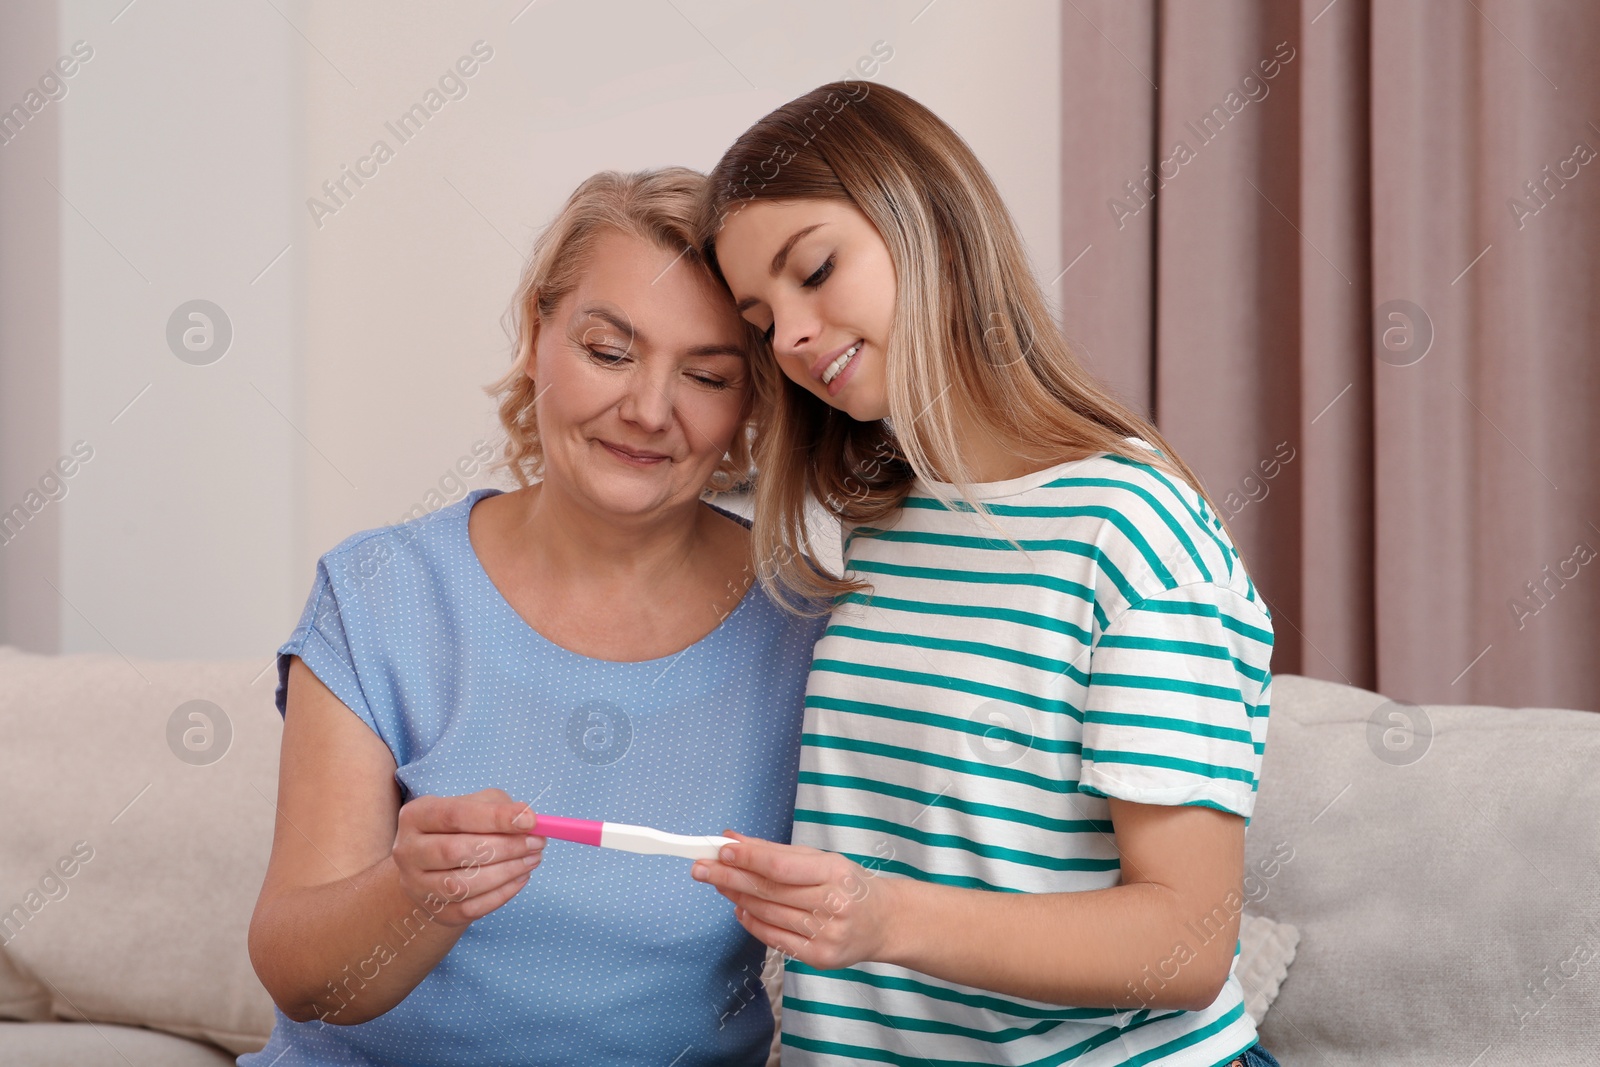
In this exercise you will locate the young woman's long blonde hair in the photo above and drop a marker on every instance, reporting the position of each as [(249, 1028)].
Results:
[(972, 333), (657, 206)]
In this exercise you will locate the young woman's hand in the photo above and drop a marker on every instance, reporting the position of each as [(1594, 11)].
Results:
[(462, 857), (819, 907)]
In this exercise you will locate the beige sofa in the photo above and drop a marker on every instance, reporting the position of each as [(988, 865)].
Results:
[(1448, 906)]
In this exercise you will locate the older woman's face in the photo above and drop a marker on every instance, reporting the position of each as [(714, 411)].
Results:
[(642, 380)]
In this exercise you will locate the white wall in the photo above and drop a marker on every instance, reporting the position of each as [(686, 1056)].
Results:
[(179, 175), (354, 383), (30, 372)]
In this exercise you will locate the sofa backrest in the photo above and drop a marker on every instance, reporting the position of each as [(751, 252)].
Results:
[(1445, 879), (135, 840)]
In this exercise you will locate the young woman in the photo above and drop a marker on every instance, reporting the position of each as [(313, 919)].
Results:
[(591, 644), (1035, 721)]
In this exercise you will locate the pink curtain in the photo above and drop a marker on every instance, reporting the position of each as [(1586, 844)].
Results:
[(1345, 253)]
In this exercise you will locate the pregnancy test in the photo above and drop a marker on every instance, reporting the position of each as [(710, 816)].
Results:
[(642, 839)]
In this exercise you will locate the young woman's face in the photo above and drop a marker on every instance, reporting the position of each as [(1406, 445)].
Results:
[(642, 380), (816, 275)]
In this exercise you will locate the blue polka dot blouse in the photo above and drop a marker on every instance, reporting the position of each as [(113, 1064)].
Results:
[(603, 957)]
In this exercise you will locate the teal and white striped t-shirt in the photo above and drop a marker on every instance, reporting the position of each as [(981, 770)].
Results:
[(967, 720)]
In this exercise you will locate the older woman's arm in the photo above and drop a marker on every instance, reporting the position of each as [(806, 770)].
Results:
[(362, 897)]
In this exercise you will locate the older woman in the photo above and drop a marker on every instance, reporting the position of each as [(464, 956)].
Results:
[(591, 644)]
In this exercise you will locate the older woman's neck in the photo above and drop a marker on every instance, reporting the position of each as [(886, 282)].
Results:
[(576, 535)]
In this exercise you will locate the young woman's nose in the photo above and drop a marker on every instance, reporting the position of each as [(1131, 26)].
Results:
[(794, 327)]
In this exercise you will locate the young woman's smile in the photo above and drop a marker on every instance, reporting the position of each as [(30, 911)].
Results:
[(818, 277), (835, 368)]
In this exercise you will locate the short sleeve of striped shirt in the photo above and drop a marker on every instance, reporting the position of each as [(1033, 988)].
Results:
[(1178, 694)]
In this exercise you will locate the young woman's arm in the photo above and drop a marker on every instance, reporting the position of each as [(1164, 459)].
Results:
[(1162, 939), (361, 899), (1182, 880)]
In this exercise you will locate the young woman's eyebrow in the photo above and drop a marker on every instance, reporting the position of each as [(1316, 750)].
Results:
[(782, 258), (779, 261)]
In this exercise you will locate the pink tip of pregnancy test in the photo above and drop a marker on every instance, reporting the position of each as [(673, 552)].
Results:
[(583, 831)]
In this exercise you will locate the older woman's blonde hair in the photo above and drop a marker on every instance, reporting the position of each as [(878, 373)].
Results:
[(658, 206)]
